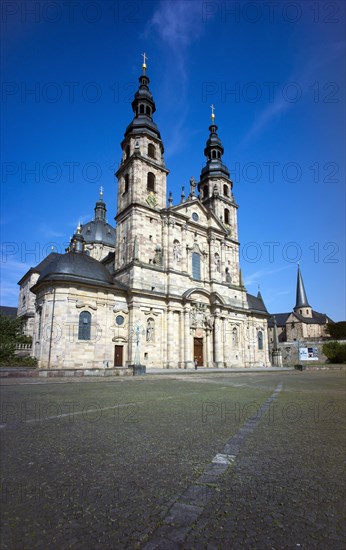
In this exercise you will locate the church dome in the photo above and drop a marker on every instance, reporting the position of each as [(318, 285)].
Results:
[(76, 266), (98, 230)]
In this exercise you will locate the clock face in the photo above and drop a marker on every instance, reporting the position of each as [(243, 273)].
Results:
[(152, 200), (195, 217)]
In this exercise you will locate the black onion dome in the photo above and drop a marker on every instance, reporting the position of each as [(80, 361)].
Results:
[(143, 106), (213, 152)]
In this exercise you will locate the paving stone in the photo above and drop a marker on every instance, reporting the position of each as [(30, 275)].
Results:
[(182, 514)]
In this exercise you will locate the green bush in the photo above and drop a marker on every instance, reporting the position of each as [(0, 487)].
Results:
[(337, 330), (16, 361), (23, 339), (335, 352)]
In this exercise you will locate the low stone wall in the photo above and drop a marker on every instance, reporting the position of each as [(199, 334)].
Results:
[(18, 372), (289, 352)]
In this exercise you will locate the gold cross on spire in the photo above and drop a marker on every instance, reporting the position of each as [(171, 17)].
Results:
[(144, 65), (101, 192), (212, 113)]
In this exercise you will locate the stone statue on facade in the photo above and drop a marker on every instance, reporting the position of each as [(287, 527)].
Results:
[(150, 330), (176, 251)]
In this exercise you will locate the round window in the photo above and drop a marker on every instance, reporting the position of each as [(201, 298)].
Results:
[(119, 320), (195, 217)]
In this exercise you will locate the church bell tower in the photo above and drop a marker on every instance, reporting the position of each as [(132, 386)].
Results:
[(141, 179), (215, 185)]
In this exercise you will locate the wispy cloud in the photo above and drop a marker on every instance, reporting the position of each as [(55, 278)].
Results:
[(302, 76), (49, 231), (177, 25), (257, 276)]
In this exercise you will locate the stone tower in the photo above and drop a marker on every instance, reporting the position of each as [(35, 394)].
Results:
[(141, 185), (215, 184), (215, 188)]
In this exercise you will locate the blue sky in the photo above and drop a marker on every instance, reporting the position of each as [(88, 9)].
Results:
[(275, 73)]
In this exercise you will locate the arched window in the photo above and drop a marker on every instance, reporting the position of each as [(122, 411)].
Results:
[(147, 111), (150, 332), (141, 109), (218, 155), (196, 266), (235, 338), (84, 327), (151, 181), (213, 154), (126, 183), (225, 190), (151, 151), (260, 339), (205, 191), (226, 216), (127, 152)]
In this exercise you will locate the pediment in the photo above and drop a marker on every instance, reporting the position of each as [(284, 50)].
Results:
[(197, 215)]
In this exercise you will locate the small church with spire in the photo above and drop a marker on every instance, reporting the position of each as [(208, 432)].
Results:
[(164, 287), (303, 323)]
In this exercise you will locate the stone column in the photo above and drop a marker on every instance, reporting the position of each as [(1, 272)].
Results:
[(170, 338), (223, 261), (227, 344), (184, 253), (217, 340), (209, 348), (181, 339), (187, 338), (130, 339), (212, 266), (165, 242)]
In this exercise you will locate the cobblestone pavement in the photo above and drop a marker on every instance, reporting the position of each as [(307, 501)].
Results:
[(249, 460)]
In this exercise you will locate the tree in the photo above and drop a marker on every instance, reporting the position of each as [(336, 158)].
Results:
[(335, 352), (337, 330), (9, 331)]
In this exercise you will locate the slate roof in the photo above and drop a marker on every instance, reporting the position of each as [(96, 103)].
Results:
[(39, 267), (316, 319), (76, 266), (98, 231), (256, 303), (281, 319)]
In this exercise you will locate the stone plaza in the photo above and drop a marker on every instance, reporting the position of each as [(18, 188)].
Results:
[(174, 460)]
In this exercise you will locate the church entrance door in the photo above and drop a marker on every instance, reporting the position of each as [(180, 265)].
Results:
[(198, 350), (118, 356)]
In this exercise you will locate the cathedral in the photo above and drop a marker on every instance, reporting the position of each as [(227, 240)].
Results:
[(164, 287)]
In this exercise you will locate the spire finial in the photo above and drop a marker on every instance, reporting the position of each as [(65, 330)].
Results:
[(79, 229), (212, 113), (144, 65), (101, 192), (182, 198)]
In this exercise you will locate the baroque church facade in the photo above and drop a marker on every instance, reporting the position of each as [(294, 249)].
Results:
[(164, 288)]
